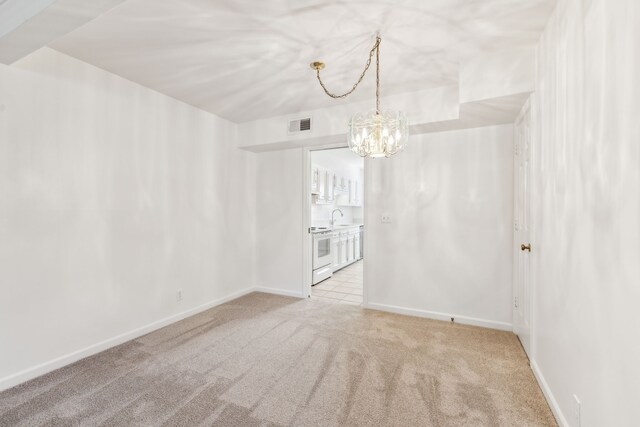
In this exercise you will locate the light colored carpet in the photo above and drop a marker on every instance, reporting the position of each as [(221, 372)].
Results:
[(265, 360)]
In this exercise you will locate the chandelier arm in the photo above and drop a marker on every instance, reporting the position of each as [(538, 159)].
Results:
[(374, 49)]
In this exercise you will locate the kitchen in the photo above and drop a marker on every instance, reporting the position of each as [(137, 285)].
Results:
[(337, 225)]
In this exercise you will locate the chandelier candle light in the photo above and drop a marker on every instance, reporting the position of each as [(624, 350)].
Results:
[(375, 133)]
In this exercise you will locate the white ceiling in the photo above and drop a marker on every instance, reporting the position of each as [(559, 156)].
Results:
[(249, 59), (28, 25)]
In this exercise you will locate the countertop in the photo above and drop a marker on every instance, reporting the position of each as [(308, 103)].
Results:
[(328, 228)]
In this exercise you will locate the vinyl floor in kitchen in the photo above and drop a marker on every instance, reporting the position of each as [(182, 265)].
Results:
[(345, 286)]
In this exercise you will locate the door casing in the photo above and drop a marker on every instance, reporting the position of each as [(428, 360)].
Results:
[(307, 259), (522, 259)]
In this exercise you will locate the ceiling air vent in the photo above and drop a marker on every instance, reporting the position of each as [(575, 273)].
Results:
[(300, 125)]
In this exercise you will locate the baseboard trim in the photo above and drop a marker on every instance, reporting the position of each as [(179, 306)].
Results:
[(277, 291), (491, 324), (551, 400), (52, 365), (46, 367)]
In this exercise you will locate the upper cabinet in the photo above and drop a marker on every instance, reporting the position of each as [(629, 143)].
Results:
[(354, 192), (328, 187), (322, 185), (342, 185), (315, 180)]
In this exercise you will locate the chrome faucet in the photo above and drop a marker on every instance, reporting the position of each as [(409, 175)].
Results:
[(333, 221)]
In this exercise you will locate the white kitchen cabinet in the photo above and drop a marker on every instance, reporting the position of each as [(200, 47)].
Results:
[(315, 180), (341, 184), (350, 248), (330, 186), (343, 250), (321, 197), (346, 190), (322, 185), (354, 192), (356, 246), (345, 247), (335, 251)]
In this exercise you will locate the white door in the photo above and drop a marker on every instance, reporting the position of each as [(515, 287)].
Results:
[(522, 247)]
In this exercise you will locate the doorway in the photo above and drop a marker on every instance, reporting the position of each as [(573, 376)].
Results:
[(334, 218), (522, 229)]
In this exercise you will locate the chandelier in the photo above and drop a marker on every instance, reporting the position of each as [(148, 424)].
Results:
[(374, 133)]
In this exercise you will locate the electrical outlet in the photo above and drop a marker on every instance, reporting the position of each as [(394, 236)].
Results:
[(179, 295), (386, 219), (576, 411)]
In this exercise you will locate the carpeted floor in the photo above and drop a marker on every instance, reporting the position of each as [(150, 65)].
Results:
[(265, 360)]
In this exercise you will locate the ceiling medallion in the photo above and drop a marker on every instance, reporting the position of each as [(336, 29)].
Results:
[(375, 133)]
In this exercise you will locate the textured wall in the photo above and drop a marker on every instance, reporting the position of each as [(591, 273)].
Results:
[(279, 225), (448, 247), (587, 223), (113, 197)]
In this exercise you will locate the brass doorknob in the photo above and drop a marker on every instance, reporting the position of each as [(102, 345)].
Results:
[(526, 247)]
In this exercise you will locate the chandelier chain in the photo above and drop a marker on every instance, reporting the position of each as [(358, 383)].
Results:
[(372, 134), (378, 76), (375, 49)]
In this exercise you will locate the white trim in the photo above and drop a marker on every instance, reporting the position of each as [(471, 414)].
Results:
[(51, 365), (533, 239), (307, 252), (367, 267), (277, 291), (525, 335), (492, 324), (551, 400)]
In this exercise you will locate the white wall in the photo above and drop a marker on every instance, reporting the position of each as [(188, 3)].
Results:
[(447, 251), (279, 227), (112, 198), (586, 252), (491, 89), (497, 74), (329, 125)]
